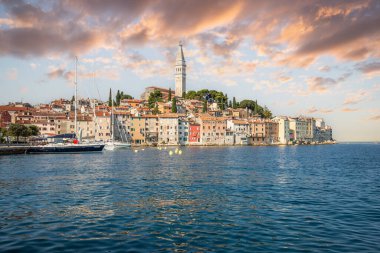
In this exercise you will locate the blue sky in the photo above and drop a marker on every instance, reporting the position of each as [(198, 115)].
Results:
[(317, 58)]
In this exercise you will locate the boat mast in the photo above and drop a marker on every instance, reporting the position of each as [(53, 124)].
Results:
[(112, 120), (76, 94)]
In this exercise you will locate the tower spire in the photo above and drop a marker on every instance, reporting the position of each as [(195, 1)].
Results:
[(180, 71)]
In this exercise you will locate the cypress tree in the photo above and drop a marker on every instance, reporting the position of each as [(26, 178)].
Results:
[(110, 99), (174, 105), (118, 95), (234, 105), (170, 94)]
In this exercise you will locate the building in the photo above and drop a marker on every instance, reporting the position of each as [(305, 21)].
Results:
[(168, 131), (151, 129), (283, 129), (137, 130), (102, 125), (165, 92), (213, 129), (271, 131), (194, 133), (241, 131), (299, 127), (258, 131), (183, 131), (180, 72)]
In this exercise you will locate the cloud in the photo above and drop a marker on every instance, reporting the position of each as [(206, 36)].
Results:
[(12, 74), (320, 84), (376, 117), (355, 98), (371, 68), (346, 109), (314, 110), (325, 69), (60, 73), (293, 33)]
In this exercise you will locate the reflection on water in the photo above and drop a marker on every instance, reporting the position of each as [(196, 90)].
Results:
[(244, 199)]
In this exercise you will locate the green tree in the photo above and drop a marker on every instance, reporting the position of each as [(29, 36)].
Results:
[(124, 96), (155, 96), (234, 105), (18, 130), (33, 130), (156, 110), (110, 98), (191, 94), (266, 113), (230, 104), (3, 133), (170, 94), (204, 109), (184, 94), (174, 105), (72, 99), (117, 102)]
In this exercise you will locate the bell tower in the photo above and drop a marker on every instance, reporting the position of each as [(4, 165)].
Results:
[(180, 72)]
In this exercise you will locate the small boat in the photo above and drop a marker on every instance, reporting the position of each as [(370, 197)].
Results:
[(112, 144)]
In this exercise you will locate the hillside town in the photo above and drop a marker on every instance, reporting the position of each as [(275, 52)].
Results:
[(165, 117)]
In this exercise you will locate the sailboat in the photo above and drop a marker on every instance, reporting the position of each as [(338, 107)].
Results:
[(111, 145), (73, 146)]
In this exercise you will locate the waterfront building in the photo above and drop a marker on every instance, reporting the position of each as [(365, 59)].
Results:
[(183, 130), (283, 129), (257, 131), (137, 130), (122, 124), (299, 127), (194, 133), (240, 129), (310, 131), (151, 129), (180, 72), (168, 131), (213, 129), (102, 125), (271, 131)]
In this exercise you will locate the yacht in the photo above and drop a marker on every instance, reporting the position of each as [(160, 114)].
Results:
[(70, 142)]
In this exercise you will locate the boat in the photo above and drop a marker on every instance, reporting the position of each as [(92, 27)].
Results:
[(112, 144), (68, 143)]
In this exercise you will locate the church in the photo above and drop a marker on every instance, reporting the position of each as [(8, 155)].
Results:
[(179, 75)]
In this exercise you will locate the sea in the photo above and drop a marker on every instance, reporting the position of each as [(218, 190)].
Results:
[(319, 198)]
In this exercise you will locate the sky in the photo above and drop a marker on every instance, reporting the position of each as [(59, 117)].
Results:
[(312, 58)]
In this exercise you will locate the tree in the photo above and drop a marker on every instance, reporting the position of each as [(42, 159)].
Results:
[(18, 130), (155, 96), (34, 131), (156, 110), (230, 104), (184, 94), (234, 105), (170, 94), (204, 109), (191, 94), (174, 105), (3, 132), (110, 98), (117, 102), (72, 99), (266, 113)]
